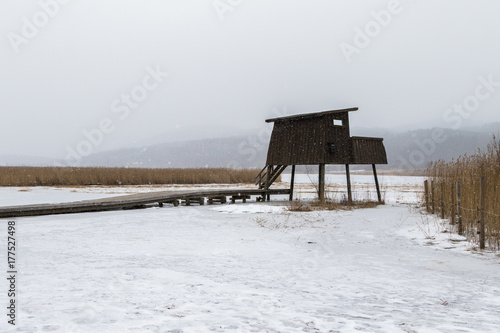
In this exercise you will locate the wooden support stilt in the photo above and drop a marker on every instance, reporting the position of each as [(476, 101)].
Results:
[(442, 200), (459, 210), (379, 196), (426, 193), (321, 183), (349, 192), (433, 203), (292, 182), (268, 181)]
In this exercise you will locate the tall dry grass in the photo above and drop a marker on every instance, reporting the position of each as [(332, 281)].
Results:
[(468, 170), (69, 176)]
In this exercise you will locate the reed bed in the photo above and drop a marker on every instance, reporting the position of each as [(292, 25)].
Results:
[(69, 176), (468, 170)]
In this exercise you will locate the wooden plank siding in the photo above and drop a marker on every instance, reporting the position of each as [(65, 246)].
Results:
[(305, 140), (368, 150), (340, 137)]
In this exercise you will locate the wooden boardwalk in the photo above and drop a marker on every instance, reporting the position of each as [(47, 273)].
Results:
[(135, 201)]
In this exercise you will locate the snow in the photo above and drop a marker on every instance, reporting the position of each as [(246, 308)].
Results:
[(254, 267), (248, 209)]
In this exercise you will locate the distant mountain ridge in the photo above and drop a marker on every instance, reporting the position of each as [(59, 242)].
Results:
[(415, 149), (407, 150)]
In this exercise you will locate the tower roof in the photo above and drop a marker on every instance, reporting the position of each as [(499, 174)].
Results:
[(309, 115)]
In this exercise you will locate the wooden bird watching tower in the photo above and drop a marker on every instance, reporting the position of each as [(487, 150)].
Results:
[(318, 139)]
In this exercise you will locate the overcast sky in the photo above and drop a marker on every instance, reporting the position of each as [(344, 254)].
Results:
[(77, 65)]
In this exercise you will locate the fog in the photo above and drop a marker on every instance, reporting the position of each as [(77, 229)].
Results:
[(123, 73)]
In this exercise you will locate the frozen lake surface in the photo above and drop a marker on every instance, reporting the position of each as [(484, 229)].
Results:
[(394, 189), (253, 267)]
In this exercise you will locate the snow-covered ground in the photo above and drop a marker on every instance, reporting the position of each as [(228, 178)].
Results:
[(395, 189), (253, 267)]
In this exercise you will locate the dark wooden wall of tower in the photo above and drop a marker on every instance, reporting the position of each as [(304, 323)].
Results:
[(309, 140), (368, 150)]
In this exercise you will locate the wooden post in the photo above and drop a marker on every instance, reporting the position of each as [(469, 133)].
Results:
[(268, 180), (482, 235), (433, 204), (292, 181), (459, 209), (321, 183), (349, 192), (442, 200), (453, 204), (426, 194), (376, 183)]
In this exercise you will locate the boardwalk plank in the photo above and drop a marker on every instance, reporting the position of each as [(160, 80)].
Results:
[(131, 201)]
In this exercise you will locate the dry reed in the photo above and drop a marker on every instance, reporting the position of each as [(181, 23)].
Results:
[(342, 204), (69, 176), (468, 170)]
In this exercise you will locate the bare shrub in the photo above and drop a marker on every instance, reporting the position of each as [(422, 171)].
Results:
[(301, 206)]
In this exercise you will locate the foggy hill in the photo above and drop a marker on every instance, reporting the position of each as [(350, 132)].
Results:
[(415, 149), (406, 150), (233, 152)]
